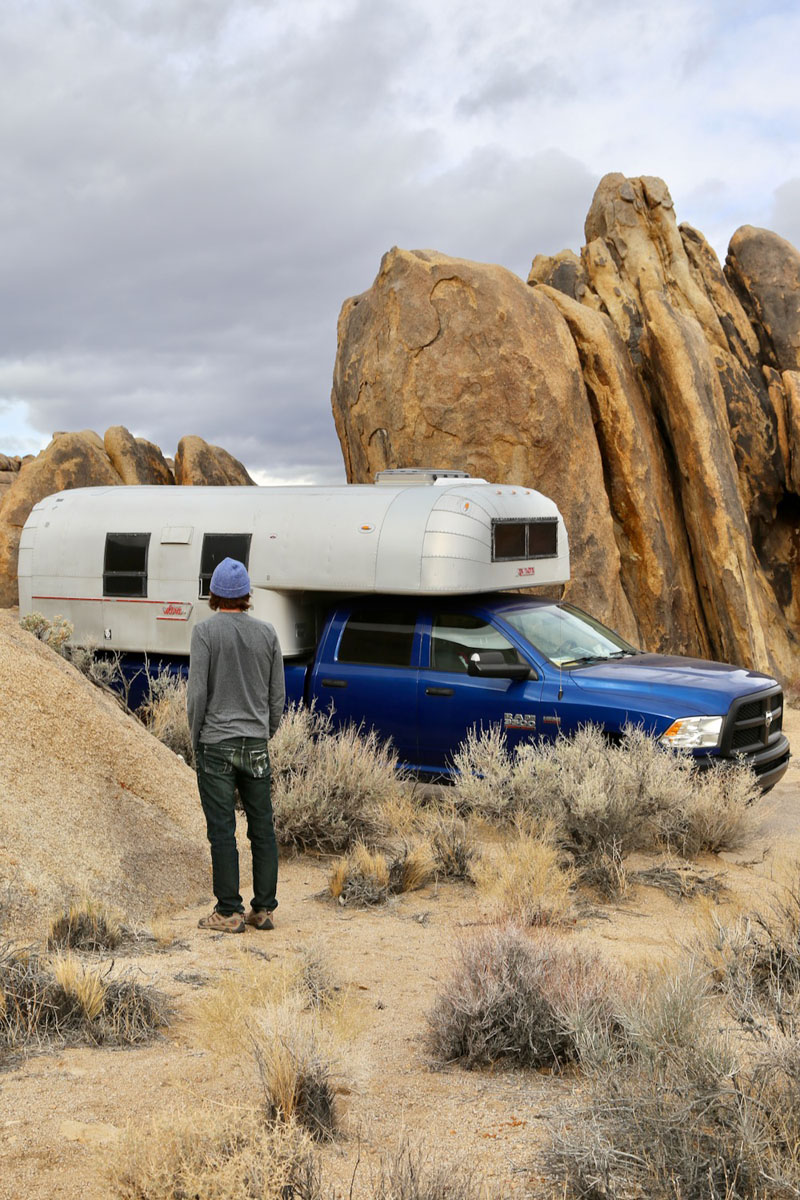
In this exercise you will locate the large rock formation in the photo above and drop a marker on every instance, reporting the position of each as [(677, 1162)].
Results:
[(197, 463), (87, 460), (682, 492)]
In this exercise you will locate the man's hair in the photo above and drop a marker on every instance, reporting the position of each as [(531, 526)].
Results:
[(232, 603)]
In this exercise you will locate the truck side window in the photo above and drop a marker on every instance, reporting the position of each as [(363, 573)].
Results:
[(125, 564), (217, 546), (524, 539), (456, 637), (380, 639)]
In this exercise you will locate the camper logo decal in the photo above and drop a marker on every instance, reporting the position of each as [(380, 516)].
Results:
[(526, 570), (175, 610)]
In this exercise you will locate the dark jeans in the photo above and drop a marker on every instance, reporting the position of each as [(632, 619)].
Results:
[(222, 767)]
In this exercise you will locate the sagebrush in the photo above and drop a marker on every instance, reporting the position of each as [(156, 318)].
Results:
[(603, 800), (328, 783), (527, 999)]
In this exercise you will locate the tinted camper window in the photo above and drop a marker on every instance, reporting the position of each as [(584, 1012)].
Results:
[(524, 539), (125, 566), (217, 546)]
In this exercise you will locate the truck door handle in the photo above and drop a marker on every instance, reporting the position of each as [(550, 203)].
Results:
[(434, 691), (334, 683)]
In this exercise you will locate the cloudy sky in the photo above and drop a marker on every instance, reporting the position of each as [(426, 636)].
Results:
[(189, 189)]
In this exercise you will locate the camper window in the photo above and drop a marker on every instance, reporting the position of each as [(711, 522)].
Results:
[(217, 546), (524, 539), (378, 639), (125, 565)]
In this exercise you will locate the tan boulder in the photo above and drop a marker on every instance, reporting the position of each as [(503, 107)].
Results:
[(756, 413), (656, 567), (445, 362), (198, 463), (136, 460), (71, 460), (741, 612), (764, 270)]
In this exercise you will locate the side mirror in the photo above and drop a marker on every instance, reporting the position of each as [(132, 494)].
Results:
[(490, 664)]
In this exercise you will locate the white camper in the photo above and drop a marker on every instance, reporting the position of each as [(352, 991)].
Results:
[(130, 566)]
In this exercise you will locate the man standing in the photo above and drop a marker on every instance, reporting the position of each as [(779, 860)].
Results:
[(235, 702)]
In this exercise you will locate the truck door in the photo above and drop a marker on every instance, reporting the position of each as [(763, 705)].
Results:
[(368, 669), (451, 702)]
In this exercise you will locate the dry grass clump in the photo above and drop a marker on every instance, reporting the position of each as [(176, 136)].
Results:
[(217, 1156), (69, 1002), (414, 1174), (526, 999), (605, 800), (676, 1112), (365, 877), (163, 713), (526, 881), (453, 841), (328, 784), (88, 925), (755, 964), (292, 1055), (360, 877)]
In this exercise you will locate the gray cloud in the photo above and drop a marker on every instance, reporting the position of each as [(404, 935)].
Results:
[(189, 190)]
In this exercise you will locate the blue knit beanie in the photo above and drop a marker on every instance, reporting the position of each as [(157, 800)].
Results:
[(230, 580)]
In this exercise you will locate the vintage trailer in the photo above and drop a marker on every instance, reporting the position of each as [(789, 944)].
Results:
[(130, 566)]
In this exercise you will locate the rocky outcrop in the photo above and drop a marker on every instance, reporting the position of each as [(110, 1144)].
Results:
[(197, 463), (87, 460), (137, 461), (446, 361), (764, 271), (691, 375), (71, 460)]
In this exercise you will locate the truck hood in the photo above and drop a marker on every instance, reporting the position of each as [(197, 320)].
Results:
[(681, 686)]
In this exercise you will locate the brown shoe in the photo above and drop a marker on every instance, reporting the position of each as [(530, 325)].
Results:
[(259, 918), (215, 920)]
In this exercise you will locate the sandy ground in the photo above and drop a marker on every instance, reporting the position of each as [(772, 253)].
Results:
[(61, 1113)]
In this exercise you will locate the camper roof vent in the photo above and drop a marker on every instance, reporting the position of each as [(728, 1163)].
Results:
[(417, 476)]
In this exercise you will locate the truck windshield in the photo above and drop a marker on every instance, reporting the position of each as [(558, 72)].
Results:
[(567, 636)]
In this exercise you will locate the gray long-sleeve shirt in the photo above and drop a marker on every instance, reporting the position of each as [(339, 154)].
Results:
[(236, 686)]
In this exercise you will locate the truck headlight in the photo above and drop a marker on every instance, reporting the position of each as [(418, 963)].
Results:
[(691, 733)]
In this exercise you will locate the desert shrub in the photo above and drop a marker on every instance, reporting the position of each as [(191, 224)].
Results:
[(69, 1002), (163, 713), (413, 1174), (328, 785), (486, 780), (217, 1156), (86, 925), (526, 881), (755, 963), (676, 1113), (292, 1056), (103, 670), (604, 800), (453, 841), (526, 999), (318, 980), (55, 633)]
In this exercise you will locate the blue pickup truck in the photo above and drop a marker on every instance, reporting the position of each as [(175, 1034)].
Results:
[(423, 672)]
